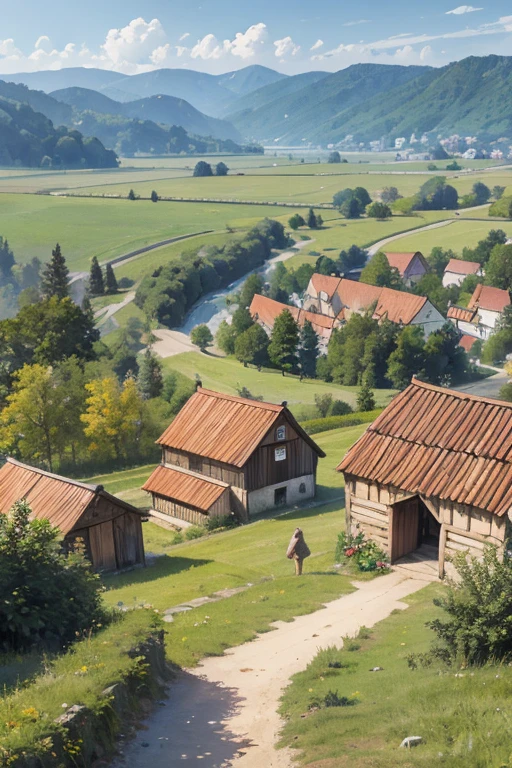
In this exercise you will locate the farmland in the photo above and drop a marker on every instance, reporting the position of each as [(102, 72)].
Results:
[(456, 236)]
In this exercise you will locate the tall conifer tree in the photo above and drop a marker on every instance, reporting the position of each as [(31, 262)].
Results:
[(54, 280)]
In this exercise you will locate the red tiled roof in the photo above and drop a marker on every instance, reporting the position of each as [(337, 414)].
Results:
[(466, 342), (325, 283), (440, 443), (401, 261), (460, 267), (397, 306), (185, 487), (225, 428), (492, 299), (268, 310), (462, 313)]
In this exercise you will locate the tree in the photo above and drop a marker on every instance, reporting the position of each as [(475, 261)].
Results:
[(319, 220), (96, 282), (252, 346), (498, 192), (454, 166), (221, 169), (483, 250), (154, 197), (296, 221), (498, 271), (445, 360), (438, 260), (334, 157), (203, 169), (408, 359), (308, 350), (323, 404), (340, 408), (361, 194), (114, 419), (282, 349), (279, 288), (378, 272), (340, 197), (131, 195), (436, 195), (303, 275), (110, 280), (225, 338), (253, 285), (481, 192), (379, 211), (50, 598), (241, 320), (54, 279), (201, 336), (389, 195), (352, 259), (365, 397), (312, 222), (150, 379), (7, 262), (351, 208)]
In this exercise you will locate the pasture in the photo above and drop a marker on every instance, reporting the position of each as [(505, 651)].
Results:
[(457, 235)]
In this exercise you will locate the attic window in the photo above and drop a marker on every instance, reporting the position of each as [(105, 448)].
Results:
[(281, 433), (280, 454)]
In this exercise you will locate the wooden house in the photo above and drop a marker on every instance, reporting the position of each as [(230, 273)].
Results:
[(110, 529), (434, 468), (410, 266), (224, 454)]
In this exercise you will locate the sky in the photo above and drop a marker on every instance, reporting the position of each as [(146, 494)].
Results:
[(217, 36)]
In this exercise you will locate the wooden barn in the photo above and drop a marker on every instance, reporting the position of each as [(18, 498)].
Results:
[(110, 528), (435, 468), (224, 454)]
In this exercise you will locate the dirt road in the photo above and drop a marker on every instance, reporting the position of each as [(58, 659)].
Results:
[(225, 712)]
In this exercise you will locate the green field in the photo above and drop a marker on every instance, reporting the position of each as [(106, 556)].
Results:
[(454, 236)]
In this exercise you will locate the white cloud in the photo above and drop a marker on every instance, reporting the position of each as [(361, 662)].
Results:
[(7, 48), (246, 44), (160, 54), (286, 47), (317, 45), (425, 53), (355, 23), (43, 42), (184, 37), (209, 48), (135, 42), (461, 9)]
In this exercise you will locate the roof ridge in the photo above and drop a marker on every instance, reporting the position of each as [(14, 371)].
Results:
[(69, 480), (460, 395), (237, 399)]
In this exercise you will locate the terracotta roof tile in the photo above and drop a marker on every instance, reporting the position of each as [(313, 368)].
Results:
[(325, 283), (460, 267), (397, 306), (492, 299), (440, 443), (268, 310), (185, 487), (462, 313), (400, 261), (466, 342)]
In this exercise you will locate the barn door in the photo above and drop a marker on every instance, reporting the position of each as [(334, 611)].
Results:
[(405, 528), (101, 542), (125, 534)]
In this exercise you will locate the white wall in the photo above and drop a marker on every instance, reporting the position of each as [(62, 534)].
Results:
[(263, 498), (452, 278), (429, 318)]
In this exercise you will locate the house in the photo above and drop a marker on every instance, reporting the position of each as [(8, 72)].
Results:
[(265, 311), (484, 310), (467, 343), (342, 298), (434, 468), (457, 270), (225, 454), (111, 529), (410, 266)]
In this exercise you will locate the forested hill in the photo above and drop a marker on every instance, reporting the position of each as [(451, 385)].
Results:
[(29, 138)]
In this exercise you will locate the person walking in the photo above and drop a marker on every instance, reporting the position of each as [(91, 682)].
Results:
[(298, 550)]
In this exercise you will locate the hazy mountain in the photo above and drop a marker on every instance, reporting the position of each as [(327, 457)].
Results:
[(58, 113), (52, 79), (86, 98), (249, 79), (274, 92), (318, 108)]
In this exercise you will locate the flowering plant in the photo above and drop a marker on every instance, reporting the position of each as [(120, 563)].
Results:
[(366, 553)]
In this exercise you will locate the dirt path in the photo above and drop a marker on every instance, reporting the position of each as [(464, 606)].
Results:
[(373, 249), (225, 712)]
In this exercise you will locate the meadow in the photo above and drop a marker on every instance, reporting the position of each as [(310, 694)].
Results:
[(457, 235)]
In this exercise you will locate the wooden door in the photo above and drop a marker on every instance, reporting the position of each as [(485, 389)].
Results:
[(103, 553), (405, 528), (125, 535)]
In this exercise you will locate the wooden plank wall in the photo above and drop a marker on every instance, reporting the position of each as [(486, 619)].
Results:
[(262, 469), (366, 510), (173, 509), (209, 467)]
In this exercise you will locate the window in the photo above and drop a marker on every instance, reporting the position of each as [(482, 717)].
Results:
[(302, 488), (280, 497), (281, 433), (280, 454)]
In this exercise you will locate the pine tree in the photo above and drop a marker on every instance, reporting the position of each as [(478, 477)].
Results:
[(87, 309), (131, 195), (96, 283), (149, 380), (365, 398), (154, 197), (110, 280), (282, 349), (308, 351), (54, 280), (312, 222)]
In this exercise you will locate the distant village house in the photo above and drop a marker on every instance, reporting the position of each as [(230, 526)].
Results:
[(457, 270), (265, 311), (484, 310), (410, 266), (224, 454), (111, 529)]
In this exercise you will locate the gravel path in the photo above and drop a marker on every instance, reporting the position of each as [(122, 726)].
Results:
[(224, 712), (373, 249)]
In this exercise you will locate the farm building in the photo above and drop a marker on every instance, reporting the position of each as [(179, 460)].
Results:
[(265, 311), (224, 454), (457, 270), (410, 266), (340, 299), (110, 528), (434, 468), (484, 310)]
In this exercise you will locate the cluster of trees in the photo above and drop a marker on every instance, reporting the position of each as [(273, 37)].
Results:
[(314, 220), (437, 195), (205, 169), (385, 355), (335, 157), (352, 203), (100, 283), (18, 282), (171, 290)]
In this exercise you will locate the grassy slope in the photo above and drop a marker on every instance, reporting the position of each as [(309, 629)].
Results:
[(462, 720), (455, 236), (225, 374)]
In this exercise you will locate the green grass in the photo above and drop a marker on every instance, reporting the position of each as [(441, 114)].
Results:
[(455, 236), (225, 374), (463, 720)]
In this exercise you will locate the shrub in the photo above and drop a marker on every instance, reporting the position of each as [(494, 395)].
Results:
[(365, 553), (194, 532), (219, 522), (48, 597), (315, 426), (340, 408)]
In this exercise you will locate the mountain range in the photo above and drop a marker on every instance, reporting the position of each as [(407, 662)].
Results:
[(257, 104)]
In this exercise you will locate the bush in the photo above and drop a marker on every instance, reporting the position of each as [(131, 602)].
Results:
[(194, 532), (219, 522), (362, 551), (315, 426), (340, 408), (48, 598)]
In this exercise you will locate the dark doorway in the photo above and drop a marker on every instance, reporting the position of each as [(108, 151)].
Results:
[(280, 497), (413, 526), (430, 528)]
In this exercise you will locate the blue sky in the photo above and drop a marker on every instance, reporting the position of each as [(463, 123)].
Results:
[(220, 35)]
